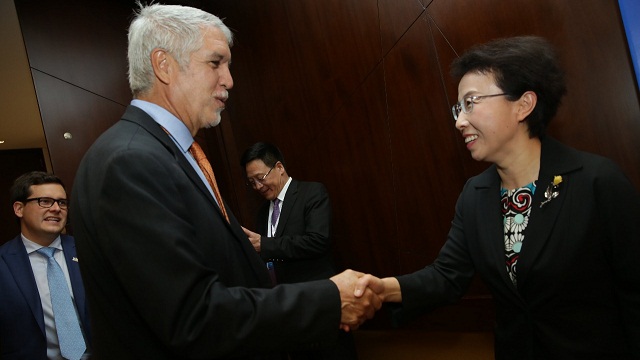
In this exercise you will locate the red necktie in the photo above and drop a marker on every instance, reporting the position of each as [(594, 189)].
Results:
[(205, 166)]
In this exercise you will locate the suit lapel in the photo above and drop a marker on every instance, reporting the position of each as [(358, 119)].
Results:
[(290, 199), (490, 223), (253, 258), (143, 119), (18, 262), (556, 159), (263, 218)]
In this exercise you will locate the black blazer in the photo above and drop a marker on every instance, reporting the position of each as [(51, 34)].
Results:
[(167, 277), (301, 247), (22, 333), (578, 293)]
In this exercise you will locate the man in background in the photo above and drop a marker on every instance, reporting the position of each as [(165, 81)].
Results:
[(168, 270), (43, 314), (294, 227)]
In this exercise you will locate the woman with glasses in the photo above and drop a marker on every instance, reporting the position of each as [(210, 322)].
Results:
[(554, 232)]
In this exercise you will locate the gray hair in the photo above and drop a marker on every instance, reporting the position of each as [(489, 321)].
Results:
[(174, 28)]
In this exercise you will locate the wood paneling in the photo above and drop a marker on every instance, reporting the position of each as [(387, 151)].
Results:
[(82, 43), (77, 55), (357, 94), (352, 157), (378, 130), (68, 109), (426, 165), (396, 17)]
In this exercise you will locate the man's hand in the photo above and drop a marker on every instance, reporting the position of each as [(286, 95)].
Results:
[(355, 310), (388, 289), (253, 237)]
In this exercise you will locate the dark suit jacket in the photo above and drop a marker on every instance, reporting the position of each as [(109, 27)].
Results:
[(301, 246), (166, 276), (22, 333), (578, 293)]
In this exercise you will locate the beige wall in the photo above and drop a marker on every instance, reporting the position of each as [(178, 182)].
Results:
[(20, 122)]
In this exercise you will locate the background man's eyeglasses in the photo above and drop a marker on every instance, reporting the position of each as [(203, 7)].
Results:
[(47, 202), (254, 181)]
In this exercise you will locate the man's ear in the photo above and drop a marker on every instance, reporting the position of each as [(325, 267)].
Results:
[(526, 104), (161, 63), (17, 208)]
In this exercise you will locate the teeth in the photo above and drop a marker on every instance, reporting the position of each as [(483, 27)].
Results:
[(469, 139)]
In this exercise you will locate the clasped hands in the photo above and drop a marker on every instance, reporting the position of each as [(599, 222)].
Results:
[(361, 295)]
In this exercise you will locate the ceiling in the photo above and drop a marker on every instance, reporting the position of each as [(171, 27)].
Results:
[(20, 122)]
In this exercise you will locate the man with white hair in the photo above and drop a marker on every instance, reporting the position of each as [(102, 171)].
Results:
[(169, 272)]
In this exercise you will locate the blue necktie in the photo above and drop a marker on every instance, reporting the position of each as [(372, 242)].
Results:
[(70, 337)]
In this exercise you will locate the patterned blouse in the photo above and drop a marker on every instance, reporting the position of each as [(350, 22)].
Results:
[(516, 207)]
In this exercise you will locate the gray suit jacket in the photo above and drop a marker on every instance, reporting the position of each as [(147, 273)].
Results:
[(167, 277)]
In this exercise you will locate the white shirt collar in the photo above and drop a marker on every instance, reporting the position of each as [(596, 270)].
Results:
[(283, 192), (176, 128), (32, 246)]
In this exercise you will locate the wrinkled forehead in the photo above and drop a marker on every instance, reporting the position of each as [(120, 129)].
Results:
[(214, 37)]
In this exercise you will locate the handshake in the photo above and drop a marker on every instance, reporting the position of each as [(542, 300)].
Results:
[(361, 295)]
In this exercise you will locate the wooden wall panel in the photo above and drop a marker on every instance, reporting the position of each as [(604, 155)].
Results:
[(68, 109), (326, 75), (304, 87), (396, 16), (426, 165), (415, 169), (357, 95), (352, 157), (81, 43), (77, 55)]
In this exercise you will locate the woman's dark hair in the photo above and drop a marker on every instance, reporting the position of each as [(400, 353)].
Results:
[(519, 64)]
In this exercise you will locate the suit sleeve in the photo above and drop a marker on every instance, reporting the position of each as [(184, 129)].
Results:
[(619, 208), (307, 232), (146, 230)]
